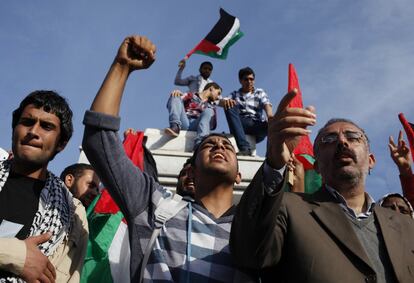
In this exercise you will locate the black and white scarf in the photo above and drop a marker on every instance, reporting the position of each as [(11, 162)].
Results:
[(54, 214)]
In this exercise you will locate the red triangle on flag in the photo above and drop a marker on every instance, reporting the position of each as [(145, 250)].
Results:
[(305, 145)]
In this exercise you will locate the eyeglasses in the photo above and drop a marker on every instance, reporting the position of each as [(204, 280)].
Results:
[(350, 136)]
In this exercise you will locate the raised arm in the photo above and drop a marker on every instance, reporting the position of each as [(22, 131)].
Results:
[(179, 80), (259, 226), (285, 129), (135, 53), (131, 189)]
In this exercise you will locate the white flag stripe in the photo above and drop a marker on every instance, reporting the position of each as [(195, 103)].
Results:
[(226, 39)]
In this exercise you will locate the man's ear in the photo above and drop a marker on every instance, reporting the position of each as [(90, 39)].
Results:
[(372, 161), (69, 180), (238, 178)]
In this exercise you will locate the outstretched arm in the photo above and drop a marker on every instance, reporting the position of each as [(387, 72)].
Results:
[(135, 53), (131, 189), (259, 226), (178, 77), (285, 129)]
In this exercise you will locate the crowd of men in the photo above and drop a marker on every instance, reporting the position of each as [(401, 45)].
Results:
[(338, 234)]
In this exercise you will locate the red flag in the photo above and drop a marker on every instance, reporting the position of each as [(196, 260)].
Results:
[(305, 145), (409, 131), (134, 150)]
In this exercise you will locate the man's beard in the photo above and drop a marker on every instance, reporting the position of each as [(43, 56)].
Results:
[(348, 175)]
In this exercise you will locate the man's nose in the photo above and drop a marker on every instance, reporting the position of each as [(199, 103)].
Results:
[(342, 140), (395, 207), (34, 129), (219, 144)]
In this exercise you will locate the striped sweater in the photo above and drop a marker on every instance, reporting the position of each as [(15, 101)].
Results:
[(193, 246)]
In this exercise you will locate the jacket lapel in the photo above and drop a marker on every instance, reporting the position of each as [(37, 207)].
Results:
[(391, 232), (332, 217)]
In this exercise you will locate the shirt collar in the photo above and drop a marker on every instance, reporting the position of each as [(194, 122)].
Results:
[(342, 202)]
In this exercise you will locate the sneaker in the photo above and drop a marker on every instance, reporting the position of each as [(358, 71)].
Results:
[(246, 152), (173, 130)]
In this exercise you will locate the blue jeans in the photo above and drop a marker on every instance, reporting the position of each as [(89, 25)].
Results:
[(178, 116), (240, 126)]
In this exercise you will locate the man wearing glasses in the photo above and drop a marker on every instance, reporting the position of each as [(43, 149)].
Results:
[(337, 234), (244, 111)]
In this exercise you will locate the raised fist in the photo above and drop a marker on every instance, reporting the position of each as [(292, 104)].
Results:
[(136, 52)]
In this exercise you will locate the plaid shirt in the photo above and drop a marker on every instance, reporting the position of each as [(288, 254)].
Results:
[(251, 104), (193, 246), (193, 105)]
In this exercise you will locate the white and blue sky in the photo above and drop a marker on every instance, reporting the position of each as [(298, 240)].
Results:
[(354, 60)]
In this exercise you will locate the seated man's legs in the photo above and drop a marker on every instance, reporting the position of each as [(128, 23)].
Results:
[(202, 125), (177, 116), (236, 127), (256, 128)]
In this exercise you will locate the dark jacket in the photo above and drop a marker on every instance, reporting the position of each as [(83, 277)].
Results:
[(308, 238)]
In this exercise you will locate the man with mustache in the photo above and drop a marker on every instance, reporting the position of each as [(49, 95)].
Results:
[(337, 234), (193, 245)]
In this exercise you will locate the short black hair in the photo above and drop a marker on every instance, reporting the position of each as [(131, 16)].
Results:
[(76, 170), (53, 103), (186, 163), (245, 72), (214, 85), (206, 63), (333, 121), (197, 148)]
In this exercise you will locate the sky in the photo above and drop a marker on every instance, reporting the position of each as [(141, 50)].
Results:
[(354, 60)]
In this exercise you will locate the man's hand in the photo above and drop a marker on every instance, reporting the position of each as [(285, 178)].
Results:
[(401, 155), (176, 93), (181, 64), (37, 267), (136, 52), (129, 131), (285, 129), (227, 103)]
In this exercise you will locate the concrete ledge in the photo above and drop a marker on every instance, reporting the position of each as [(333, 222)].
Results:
[(158, 140)]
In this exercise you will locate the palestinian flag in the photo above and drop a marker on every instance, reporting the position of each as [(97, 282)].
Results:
[(304, 150), (108, 254), (218, 41), (409, 131)]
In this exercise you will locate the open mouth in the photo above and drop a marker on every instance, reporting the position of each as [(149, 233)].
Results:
[(189, 184), (218, 156)]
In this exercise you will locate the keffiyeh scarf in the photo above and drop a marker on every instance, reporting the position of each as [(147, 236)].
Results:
[(54, 214)]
